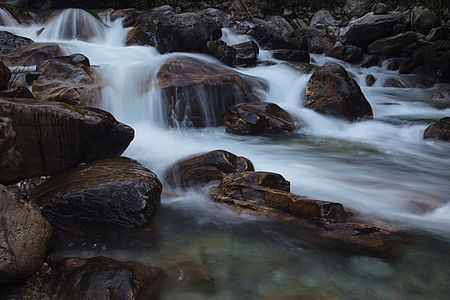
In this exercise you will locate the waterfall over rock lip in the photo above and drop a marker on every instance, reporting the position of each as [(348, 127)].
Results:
[(6, 19), (74, 24)]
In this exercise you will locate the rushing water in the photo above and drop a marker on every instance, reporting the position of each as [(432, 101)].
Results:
[(381, 167)]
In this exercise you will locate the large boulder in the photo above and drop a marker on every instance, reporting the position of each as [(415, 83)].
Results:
[(5, 76), (258, 119), (16, 92), (170, 32), (370, 28), (393, 46), (205, 168), (430, 59), (439, 130), (24, 236), (271, 35), (330, 90), (220, 50), (111, 194), (322, 223), (10, 42), (103, 278), (316, 40), (48, 137), (19, 15), (31, 54), (439, 33), (68, 79), (197, 93)]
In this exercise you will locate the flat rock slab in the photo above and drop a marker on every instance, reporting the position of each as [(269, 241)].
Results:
[(105, 195), (48, 137)]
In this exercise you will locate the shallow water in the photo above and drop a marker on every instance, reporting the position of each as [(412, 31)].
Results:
[(381, 168)]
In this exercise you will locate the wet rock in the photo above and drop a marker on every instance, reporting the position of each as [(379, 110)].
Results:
[(259, 119), (272, 37), (49, 137), (395, 83), (330, 90), (291, 55), (303, 68), (68, 79), (103, 278), (216, 17), (171, 32), (24, 236), (370, 61), (10, 42), (323, 17), (422, 20), (30, 77), (324, 224), (393, 46), (5, 76), (129, 16), (197, 93), (357, 8), (220, 50), (349, 53), (23, 187), (394, 64), (246, 54), (205, 168), (370, 28), (31, 54), (439, 130), (16, 92), (111, 194), (370, 80), (262, 190)]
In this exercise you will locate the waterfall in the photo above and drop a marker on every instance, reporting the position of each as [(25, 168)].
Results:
[(74, 24), (6, 19)]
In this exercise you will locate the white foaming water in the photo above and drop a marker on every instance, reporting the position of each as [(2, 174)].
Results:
[(6, 19), (379, 167)]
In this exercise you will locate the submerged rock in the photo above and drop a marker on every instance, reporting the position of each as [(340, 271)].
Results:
[(68, 79), (324, 224), (31, 55), (258, 119), (330, 90), (49, 137), (205, 168), (197, 93), (24, 236), (111, 194), (439, 130), (103, 278)]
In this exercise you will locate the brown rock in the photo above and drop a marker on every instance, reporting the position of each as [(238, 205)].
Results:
[(18, 14), (103, 278), (330, 90), (439, 130), (204, 168), (10, 42), (370, 80), (16, 92), (220, 50), (68, 79), (31, 54), (5, 76), (258, 119), (24, 236), (51, 137), (351, 54), (246, 54), (197, 93), (111, 194), (393, 46), (291, 55)]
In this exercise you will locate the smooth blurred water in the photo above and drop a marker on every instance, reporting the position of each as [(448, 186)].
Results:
[(382, 168)]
